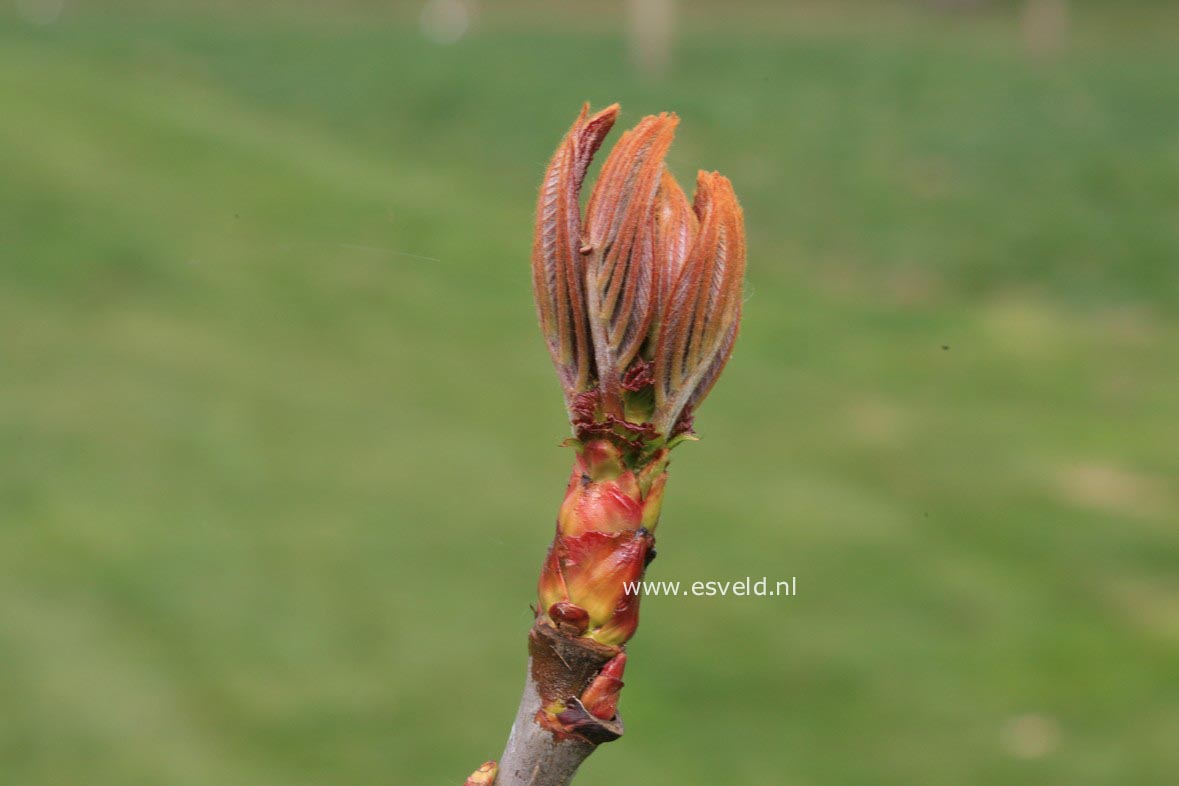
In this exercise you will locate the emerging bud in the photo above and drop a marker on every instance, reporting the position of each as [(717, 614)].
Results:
[(640, 306)]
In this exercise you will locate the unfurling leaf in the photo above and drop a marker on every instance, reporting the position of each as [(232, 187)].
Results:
[(557, 264)]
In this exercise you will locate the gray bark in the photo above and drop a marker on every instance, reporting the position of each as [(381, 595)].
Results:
[(533, 756)]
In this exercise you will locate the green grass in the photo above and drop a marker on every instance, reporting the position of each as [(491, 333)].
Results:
[(278, 436)]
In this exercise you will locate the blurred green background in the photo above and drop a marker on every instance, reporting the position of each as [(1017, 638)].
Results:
[(278, 433)]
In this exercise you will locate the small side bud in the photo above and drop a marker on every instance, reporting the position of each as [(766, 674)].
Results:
[(570, 619), (601, 697), (484, 776)]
